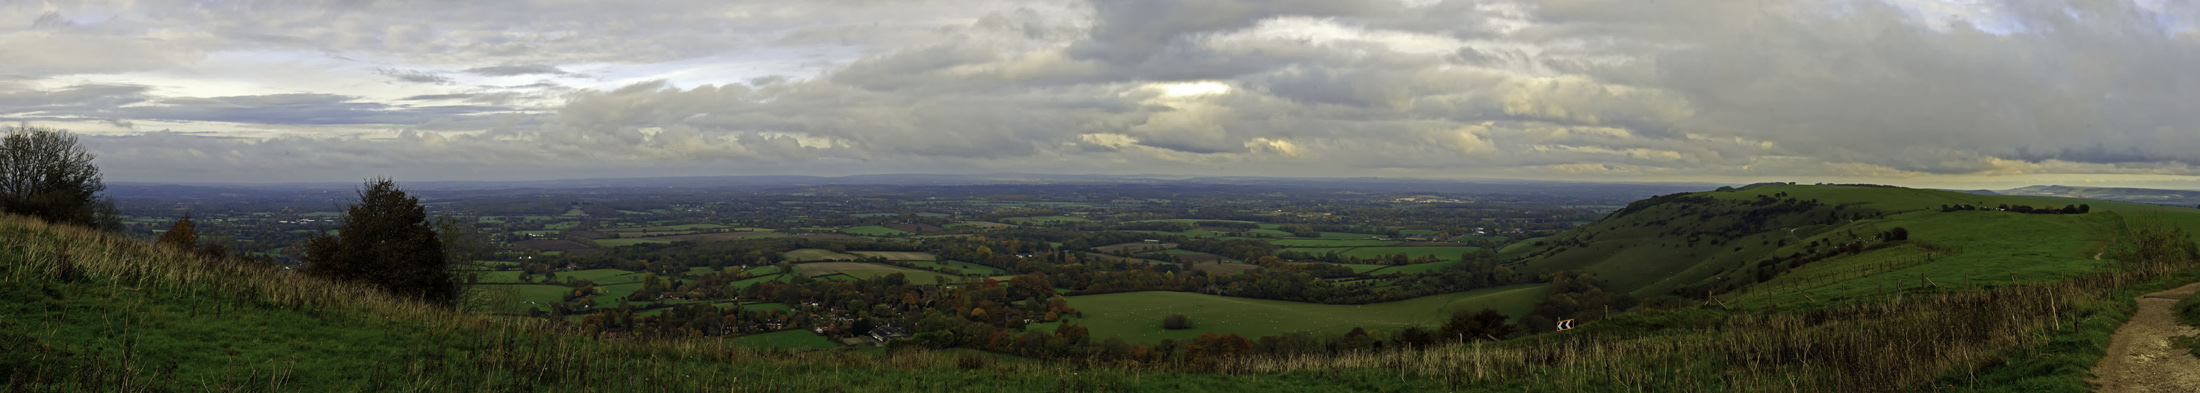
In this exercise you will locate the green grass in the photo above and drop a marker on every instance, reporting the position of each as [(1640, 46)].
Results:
[(766, 306), (1345, 236), (2188, 310), (539, 294), (603, 276), (913, 276), (1042, 220), (1329, 243), (197, 326), (612, 293), (965, 268), (1136, 316), (759, 279), (1186, 220), (1648, 253), (1415, 268), (1356, 268), (786, 339), (874, 230), (628, 242), (506, 276), (813, 254), (1444, 253)]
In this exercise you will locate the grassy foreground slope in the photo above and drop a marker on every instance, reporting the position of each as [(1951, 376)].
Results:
[(84, 311)]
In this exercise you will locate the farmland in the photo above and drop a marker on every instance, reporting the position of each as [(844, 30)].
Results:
[(1137, 316), (963, 268), (897, 255), (1692, 280), (812, 254), (1042, 220), (871, 270)]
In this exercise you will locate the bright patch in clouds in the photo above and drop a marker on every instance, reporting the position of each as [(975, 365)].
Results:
[(1908, 91), (1192, 88)]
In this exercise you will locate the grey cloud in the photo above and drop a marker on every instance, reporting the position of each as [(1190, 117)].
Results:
[(71, 100), (1551, 87), (1132, 31), (297, 109), (432, 97), (413, 76), (514, 70)]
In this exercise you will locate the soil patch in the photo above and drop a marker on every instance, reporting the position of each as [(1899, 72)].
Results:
[(2140, 357)]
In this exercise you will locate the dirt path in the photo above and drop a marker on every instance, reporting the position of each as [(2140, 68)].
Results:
[(2140, 358)]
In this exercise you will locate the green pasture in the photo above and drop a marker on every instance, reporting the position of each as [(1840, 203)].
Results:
[(1136, 316), (874, 230), (965, 268)]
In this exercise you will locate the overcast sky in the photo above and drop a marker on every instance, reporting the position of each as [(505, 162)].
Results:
[(1914, 92)]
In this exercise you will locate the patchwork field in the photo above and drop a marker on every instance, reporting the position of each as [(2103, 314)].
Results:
[(965, 268), (871, 270), (898, 255), (1134, 247), (1446, 253), (812, 254), (1042, 220), (874, 230), (1356, 268), (1136, 316), (1184, 256), (1223, 268), (629, 241), (1328, 243), (1413, 268), (979, 224), (1112, 258), (759, 279)]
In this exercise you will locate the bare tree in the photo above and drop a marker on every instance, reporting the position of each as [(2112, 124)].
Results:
[(44, 173)]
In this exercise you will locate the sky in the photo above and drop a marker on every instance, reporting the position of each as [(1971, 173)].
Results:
[(1944, 93)]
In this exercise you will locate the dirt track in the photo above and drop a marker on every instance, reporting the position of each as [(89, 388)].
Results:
[(2140, 358)]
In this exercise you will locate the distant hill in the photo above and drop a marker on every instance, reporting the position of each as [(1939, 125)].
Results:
[(2136, 195)]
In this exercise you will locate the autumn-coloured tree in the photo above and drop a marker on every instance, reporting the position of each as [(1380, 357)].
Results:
[(182, 236), (1209, 347)]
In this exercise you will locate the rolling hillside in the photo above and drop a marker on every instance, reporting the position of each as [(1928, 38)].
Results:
[(1781, 287), (82, 311), (1721, 241)]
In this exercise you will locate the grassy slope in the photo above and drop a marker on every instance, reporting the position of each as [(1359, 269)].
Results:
[(1647, 252), (128, 317), (1136, 316)]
